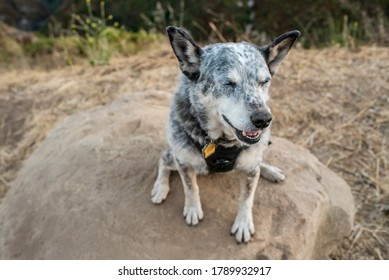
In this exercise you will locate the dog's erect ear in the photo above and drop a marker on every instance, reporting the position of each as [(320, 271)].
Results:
[(186, 50), (276, 51)]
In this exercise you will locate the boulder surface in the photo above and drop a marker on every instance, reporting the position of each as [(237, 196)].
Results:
[(85, 194)]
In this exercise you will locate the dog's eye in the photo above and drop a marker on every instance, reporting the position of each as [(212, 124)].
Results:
[(231, 84), (262, 83)]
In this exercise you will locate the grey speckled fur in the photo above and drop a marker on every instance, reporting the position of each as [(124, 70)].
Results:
[(221, 96)]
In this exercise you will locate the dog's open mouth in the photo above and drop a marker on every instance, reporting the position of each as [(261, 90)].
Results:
[(248, 137)]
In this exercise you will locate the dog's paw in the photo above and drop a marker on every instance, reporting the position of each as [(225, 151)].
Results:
[(159, 193), (243, 229), (272, 173), (193, 214)]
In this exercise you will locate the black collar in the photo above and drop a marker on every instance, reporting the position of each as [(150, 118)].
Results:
[(218, 157)]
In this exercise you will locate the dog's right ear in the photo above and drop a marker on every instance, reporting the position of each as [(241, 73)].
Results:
[(186, 50)]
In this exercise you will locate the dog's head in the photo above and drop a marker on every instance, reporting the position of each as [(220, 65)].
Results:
[(230, 82)]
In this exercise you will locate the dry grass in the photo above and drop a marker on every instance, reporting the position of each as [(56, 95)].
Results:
[(334, 102)]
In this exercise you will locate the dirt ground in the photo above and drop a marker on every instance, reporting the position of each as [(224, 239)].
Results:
[(333, 101)]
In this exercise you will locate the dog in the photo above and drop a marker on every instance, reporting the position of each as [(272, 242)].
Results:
[(220, 121)]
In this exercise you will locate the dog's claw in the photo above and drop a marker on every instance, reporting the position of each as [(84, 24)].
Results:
[(243, 229), (272, 173), (193, 215), (159, 193)]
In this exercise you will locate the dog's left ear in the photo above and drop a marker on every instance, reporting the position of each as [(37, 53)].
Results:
[(186, 50), (276, 51)]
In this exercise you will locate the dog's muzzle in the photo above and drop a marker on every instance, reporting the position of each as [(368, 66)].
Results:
[(251, 137)]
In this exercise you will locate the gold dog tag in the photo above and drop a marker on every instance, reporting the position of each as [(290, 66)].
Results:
[(209, 150)]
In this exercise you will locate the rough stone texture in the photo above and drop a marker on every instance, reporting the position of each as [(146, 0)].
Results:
[(85, 194)]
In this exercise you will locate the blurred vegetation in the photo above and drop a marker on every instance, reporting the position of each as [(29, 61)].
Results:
[(98, 29), (92, 35), (102, 35), (322, 22)]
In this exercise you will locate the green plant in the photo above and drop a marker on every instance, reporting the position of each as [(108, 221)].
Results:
[(42, 45), (333, 32), (97, 33), (343, 32)]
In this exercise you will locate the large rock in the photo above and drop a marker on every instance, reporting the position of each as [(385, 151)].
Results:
[(85, 194)]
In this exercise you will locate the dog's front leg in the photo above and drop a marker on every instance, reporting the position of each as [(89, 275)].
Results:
[(161, 186), (243, 226), (193, 212)]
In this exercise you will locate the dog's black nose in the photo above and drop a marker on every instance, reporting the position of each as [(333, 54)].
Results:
[(261, 119)]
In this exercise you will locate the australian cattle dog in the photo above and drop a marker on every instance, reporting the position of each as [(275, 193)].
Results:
[(220, 121)]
